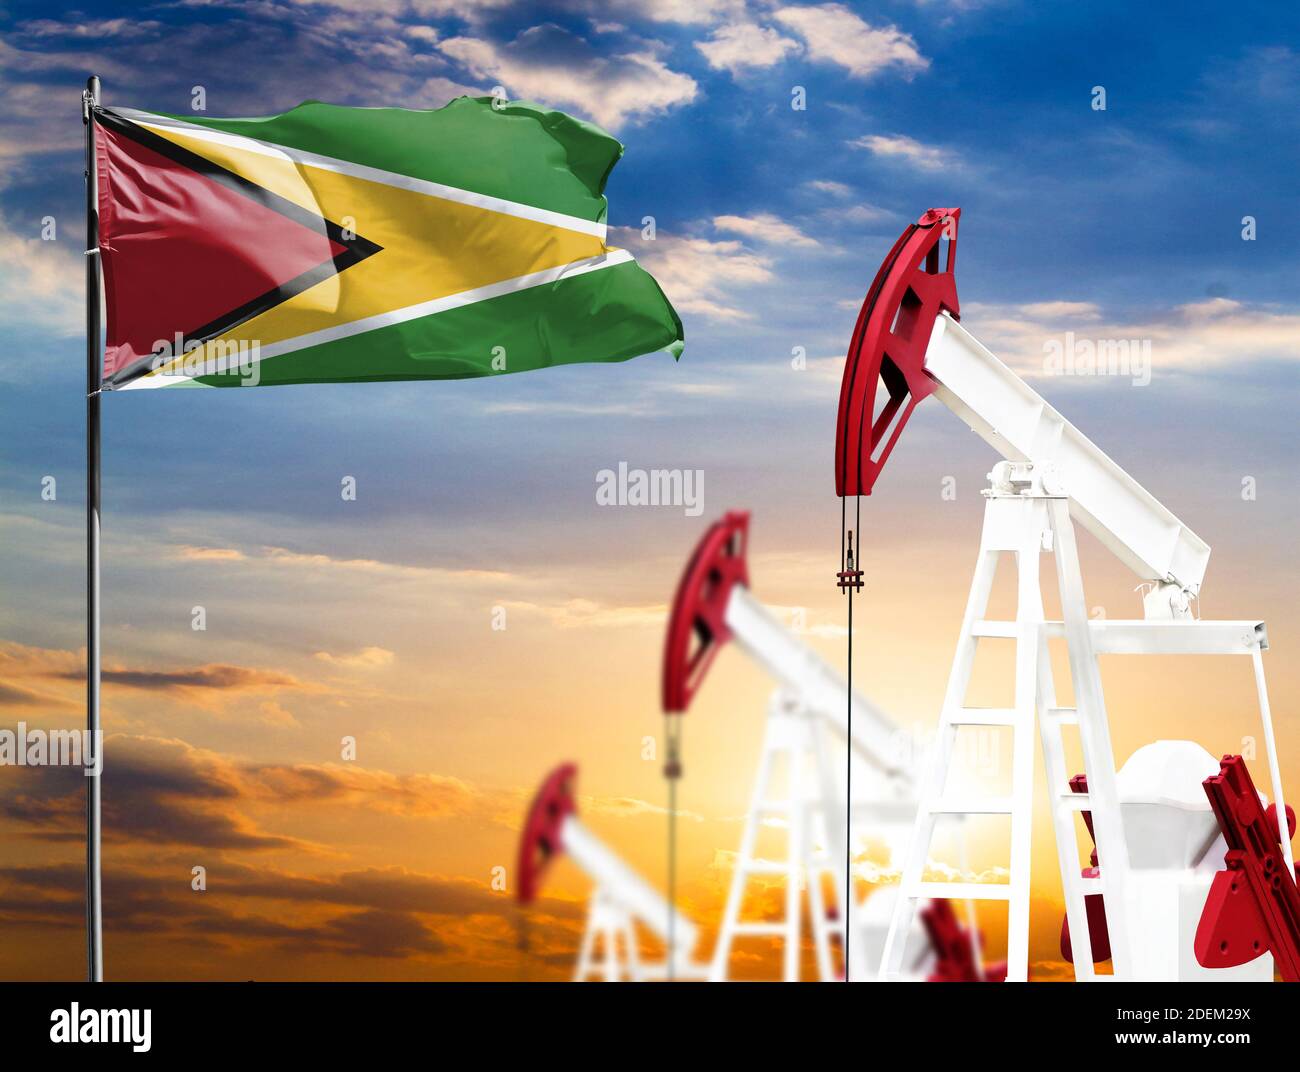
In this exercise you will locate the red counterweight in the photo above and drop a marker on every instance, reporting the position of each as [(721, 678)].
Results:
[(1253, 906), (954, 955), (888, 347), (697, 628), (1093, 903), (540, 841)]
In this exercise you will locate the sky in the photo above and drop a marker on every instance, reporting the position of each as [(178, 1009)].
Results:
[(778, 149)]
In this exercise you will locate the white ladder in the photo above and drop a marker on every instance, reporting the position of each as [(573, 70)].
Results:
[(1023, 519), (792, 735)]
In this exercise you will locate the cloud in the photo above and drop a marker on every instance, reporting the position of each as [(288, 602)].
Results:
[(388, 889), (315, 561), (161, 792), (381, 934), (209, 686), (385, 913), (926, 157), (141, 902), (860, 213), (423, 796), (1063, 310), (22, 660), (276, 714), (20, 696), (366, 659), (217, 677), (682, 12), (119, 29), (210, 554), (1205, 335), (281, 555), (585, 614), (1260, 83), (42, 283), (765, 227), (549, 64), (165, 791), (834, 34), (698, 274), (624, 807), (742, 45), (829, 186)]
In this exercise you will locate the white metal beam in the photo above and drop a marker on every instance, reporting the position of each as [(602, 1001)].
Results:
[(1020, 425)]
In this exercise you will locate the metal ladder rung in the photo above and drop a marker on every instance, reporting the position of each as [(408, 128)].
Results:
[(1089, 885), (964, 891), (984, 716), (1075, 801), (988, 627), (1063, 716), (755, 928), (970, 806)]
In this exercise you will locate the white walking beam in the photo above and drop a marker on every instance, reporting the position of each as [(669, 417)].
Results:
[(623, 886), (1020, 425)]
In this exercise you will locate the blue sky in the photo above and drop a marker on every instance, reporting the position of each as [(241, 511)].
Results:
[(770, 222)]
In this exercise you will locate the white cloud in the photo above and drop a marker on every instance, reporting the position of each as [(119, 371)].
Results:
[(834, 34), (366, 659), (827, 186), (742, 45), (90, 29), (1212, 334), (927, 157), (859, 213), (312, 561), (626, 807), (688, 12), (696, 273), (764, 227), (438, 91), (551, 65), (585, 614), (1062, 310), (275, 713), (43, 287)]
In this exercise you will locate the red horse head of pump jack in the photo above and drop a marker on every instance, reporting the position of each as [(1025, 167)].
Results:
[(541, 841), (888, 348), (697, 627)]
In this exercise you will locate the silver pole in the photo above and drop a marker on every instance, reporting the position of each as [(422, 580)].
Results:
[(94, 901)]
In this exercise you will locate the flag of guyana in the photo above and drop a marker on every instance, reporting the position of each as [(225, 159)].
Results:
[(339, 244)]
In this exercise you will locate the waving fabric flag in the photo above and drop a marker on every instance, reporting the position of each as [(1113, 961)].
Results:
[(339, 244)]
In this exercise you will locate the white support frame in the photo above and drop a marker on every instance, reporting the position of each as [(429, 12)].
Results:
[(610, 948), (1024, 518), (795, 734)]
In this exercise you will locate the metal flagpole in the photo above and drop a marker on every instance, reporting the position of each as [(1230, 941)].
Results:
[(94, 913)]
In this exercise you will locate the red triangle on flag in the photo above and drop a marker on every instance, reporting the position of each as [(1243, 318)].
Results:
[(188, 247)]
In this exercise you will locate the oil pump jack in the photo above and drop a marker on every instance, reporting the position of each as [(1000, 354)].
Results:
[(1220, 907), (796, 784), (621, 900)]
